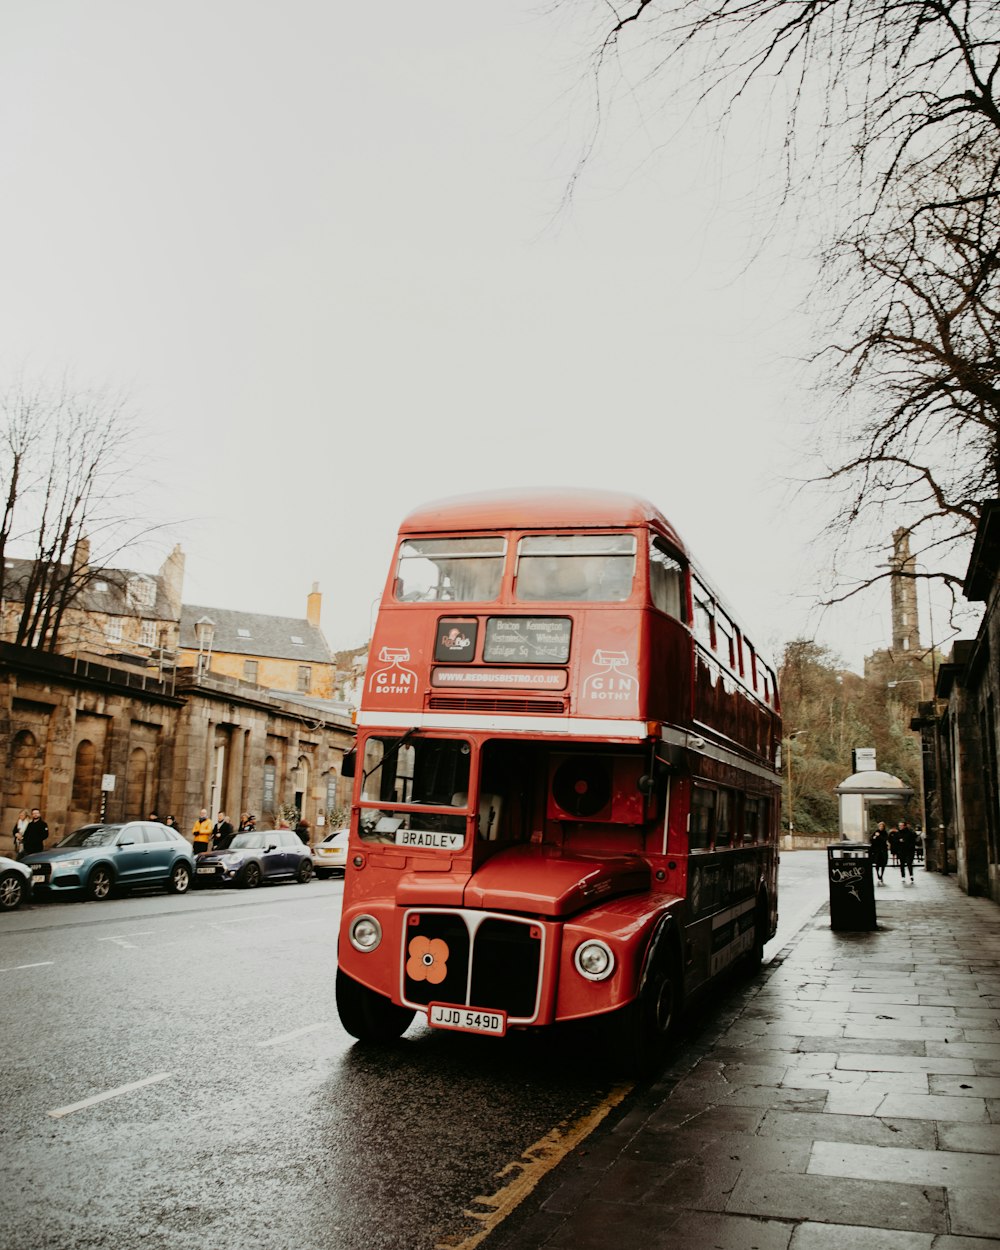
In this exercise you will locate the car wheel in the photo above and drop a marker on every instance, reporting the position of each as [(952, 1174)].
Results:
[(13, 891), (322, 874), (99, 883), (368, 1016), (179, 881), (305, 871), (250, 876)]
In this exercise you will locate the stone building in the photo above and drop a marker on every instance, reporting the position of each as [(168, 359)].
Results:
[(278, 652), (108, 612), (70, 725), (959, 730)]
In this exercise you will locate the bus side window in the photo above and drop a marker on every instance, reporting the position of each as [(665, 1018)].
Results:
[(725, 636), (751, 822), (703, 614), (751, 662), (702, 818), (666, 581), (724, 812)]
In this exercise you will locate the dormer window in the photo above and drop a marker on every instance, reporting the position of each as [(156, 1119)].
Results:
[(297, 640), (140, 592), (243, 633)]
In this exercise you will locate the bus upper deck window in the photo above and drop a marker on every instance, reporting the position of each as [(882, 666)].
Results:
[(666, 581), (456, 570), (567, 568)]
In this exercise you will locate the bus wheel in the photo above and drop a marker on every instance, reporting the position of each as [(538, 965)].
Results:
[(755, 957), (368, 1016), (643, 1031)]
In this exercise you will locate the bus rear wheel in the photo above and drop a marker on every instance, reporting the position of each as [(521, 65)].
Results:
[(368, 1016)]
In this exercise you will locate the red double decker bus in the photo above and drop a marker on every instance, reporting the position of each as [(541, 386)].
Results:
[(566, 800)]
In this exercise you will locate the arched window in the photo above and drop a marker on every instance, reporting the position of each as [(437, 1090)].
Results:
[(270, 777), (85, 776)]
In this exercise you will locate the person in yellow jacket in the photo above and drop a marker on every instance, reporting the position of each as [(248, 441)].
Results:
[(201, 833)]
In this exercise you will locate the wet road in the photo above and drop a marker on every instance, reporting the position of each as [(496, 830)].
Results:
[(174, 1075)]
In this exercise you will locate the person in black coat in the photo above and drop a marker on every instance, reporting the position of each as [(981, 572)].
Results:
[(35, 833), (222, 834), (906, 845), (880, 851)]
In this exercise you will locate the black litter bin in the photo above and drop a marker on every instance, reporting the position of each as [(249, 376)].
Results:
[(852, 892)]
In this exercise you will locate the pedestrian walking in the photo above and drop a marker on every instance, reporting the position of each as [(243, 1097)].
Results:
[(880, 851), (201, 832), (23, 819), (35, 833), (171, 822), (248, 822), (302, 829), (894, 845), (222, 834), (906, 846)]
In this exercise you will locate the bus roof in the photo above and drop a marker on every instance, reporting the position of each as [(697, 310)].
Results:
[(539, 508)]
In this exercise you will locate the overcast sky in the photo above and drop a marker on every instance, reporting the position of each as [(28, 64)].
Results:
[(322, 247)]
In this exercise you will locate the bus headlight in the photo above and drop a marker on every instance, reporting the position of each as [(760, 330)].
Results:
[(594, 961), (365, 933)]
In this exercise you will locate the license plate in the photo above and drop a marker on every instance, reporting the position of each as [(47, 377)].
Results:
[(37, 877), (209, 870), (467, 1019)]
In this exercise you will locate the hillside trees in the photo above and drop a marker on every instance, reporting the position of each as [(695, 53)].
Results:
[(827, 713)]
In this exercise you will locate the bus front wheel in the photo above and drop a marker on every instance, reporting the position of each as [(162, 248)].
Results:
[(641, 1033), (368, 1016)]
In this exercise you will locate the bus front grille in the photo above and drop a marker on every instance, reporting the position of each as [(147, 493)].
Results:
[(474, 960)]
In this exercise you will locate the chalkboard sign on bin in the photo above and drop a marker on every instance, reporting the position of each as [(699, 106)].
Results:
[(852, 892)]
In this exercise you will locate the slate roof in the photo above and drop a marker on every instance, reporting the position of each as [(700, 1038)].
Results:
[(105, 591), (270, 636)]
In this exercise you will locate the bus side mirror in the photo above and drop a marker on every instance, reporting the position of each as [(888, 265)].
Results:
[(348, 762)]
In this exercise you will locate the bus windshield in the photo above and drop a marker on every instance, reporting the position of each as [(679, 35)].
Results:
[(459, 570), (597, 568)]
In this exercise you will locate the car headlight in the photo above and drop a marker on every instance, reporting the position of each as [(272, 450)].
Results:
[(60, 864), (365, 933), (234, 858), (594, 961)]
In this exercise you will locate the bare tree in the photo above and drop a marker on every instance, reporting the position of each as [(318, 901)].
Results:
[(892, 113), (67, 465)]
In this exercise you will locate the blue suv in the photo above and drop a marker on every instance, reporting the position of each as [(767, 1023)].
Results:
[(99, 858)]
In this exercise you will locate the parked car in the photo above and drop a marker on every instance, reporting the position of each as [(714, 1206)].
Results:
[(330, 855), (99, 858), (256, 856), (15, 883)]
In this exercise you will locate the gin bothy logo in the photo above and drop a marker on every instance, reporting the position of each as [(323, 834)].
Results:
[(610, 682), (393, 678)]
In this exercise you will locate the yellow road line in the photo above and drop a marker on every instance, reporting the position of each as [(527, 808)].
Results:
[(527, 1171)]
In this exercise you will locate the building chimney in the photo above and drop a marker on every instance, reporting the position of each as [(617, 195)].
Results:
[(171, 577), (314, 605), (81, 556)]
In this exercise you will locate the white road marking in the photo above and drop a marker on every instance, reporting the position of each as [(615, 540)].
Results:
[(20, 967), (288, 1037), (121, 939), (111, 1093)]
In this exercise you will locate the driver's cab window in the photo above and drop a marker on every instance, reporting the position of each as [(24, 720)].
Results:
[(409, 772)]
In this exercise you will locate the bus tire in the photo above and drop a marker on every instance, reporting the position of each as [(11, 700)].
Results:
[(755, 958), (642, 1032), (368, 1016)]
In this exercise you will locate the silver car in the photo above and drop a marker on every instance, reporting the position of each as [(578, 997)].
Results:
[(15, 883)]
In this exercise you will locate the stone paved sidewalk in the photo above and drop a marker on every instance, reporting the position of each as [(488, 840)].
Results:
[(849, 1099)]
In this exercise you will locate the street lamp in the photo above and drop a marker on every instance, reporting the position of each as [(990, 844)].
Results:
[(204, 631), (908, 681), (796, 733)]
